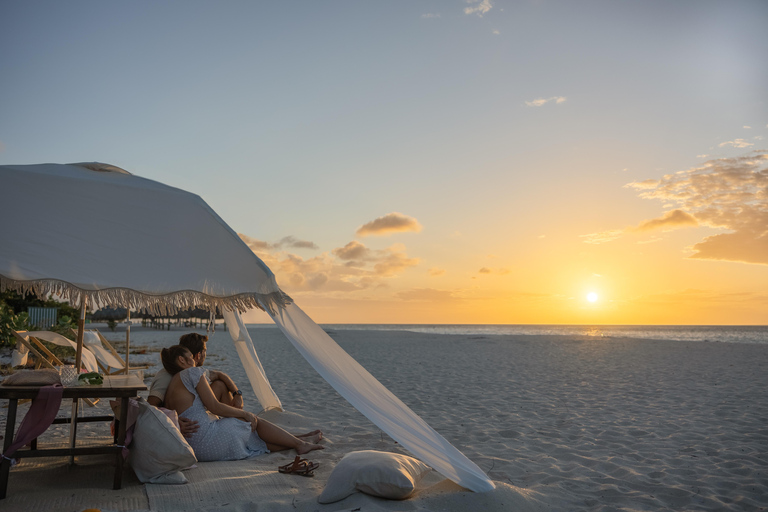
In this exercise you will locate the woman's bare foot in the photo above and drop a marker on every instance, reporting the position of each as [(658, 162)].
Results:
[(305, 447), (313, 437)]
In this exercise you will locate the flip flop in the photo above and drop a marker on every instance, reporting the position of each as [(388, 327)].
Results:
[(299, 466)]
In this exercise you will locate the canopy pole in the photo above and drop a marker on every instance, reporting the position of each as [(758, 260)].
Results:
[(127, 340), (78, 364), (80, 335)]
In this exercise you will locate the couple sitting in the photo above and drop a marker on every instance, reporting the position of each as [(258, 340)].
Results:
[(210, 408)]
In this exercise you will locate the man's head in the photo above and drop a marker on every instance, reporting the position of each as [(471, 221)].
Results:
[(196, 344)]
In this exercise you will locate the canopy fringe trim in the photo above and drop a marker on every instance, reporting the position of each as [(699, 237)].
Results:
[(160, 305)]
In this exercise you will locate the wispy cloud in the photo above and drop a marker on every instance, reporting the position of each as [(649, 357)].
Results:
[(285, 242), (671, 220), (736, 143), (728, 193), (390, 223), (538, 102), (436, 272), (430, 15), (494, 271), (478, 7)]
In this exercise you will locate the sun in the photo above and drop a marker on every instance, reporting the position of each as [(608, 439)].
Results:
[(592, 297)]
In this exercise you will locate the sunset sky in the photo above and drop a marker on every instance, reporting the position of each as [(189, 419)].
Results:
[(431, 161)]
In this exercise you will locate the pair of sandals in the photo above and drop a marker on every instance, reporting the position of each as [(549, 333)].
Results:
[(299, 466)]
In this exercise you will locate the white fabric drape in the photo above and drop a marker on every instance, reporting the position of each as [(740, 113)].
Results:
[(376, 402), (20, 353), (107, 358), (253, 369)]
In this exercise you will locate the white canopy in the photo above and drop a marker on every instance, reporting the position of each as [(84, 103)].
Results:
[(95, 232), (123, 240)]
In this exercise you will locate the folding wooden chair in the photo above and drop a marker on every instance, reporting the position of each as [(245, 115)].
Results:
[(109, 360), (30, 341)]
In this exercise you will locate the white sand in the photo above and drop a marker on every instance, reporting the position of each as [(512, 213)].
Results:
[(559, 423)]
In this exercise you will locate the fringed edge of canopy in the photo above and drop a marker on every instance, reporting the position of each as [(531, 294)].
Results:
[(160, 305)]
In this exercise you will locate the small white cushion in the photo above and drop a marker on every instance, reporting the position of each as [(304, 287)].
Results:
[(382, 474), (158, 451)]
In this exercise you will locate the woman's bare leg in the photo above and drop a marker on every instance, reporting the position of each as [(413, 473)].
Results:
[(278, 439)]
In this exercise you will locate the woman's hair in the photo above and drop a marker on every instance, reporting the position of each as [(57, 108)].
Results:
[(194, 342), (170, 358)]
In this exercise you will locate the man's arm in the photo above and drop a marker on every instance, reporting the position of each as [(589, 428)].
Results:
[(225, 389)]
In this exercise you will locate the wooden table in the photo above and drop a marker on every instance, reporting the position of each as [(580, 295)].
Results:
[(114, 386)]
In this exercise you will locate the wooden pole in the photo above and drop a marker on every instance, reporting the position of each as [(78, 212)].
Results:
[(127, 340), (80, 335)]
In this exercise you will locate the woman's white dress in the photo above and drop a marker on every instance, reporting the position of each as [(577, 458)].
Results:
[(217, 438)]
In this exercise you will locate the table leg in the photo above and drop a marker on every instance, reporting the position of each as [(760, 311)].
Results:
[(119, 461), (73, 427), (10, 428)]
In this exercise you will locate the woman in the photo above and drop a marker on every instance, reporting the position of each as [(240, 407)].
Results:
[(225, 432)]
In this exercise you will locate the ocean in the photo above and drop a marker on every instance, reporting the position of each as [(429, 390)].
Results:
[(703, 333)]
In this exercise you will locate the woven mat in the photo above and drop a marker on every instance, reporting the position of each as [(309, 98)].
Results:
[(238, 485), (48, 484)]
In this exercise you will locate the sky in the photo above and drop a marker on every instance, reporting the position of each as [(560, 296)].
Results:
[(431, 162)]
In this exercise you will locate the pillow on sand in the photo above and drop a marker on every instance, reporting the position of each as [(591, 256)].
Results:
[(382, 474), (158, 451)]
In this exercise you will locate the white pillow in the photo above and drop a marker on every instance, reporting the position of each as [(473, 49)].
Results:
[(158, 451), (382, 474)]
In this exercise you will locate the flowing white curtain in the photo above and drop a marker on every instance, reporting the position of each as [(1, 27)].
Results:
[(253, 369), (377, 403)]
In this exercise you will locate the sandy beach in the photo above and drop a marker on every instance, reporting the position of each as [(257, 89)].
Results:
[(559, 423)]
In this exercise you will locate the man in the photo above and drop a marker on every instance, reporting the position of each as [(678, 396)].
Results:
[(222, 385)]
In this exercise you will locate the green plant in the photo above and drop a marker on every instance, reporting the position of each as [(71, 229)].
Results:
[(112, 324), (10, 321), (64, 326)]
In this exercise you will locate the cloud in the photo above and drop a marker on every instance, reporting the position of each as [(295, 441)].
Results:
[(478, 7), (390, 223), (543, 101), (603, 236), (729, 194), (436, 272), (736, 143), (496, 32), (290, 241), (495, 271), (352, 251), (430, 15), (742, 246), (670, 220), (287, 241)]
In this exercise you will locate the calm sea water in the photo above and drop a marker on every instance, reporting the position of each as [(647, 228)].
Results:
[(704, 333)]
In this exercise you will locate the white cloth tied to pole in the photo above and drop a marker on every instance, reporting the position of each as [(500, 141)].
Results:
[(253, 369), (107, 358), (376, 402)]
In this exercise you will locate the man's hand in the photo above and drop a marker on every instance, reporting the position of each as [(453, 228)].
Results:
[(237, 401), (187, 426)]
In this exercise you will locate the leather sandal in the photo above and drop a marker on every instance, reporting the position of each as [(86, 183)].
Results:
[(299, 466)]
